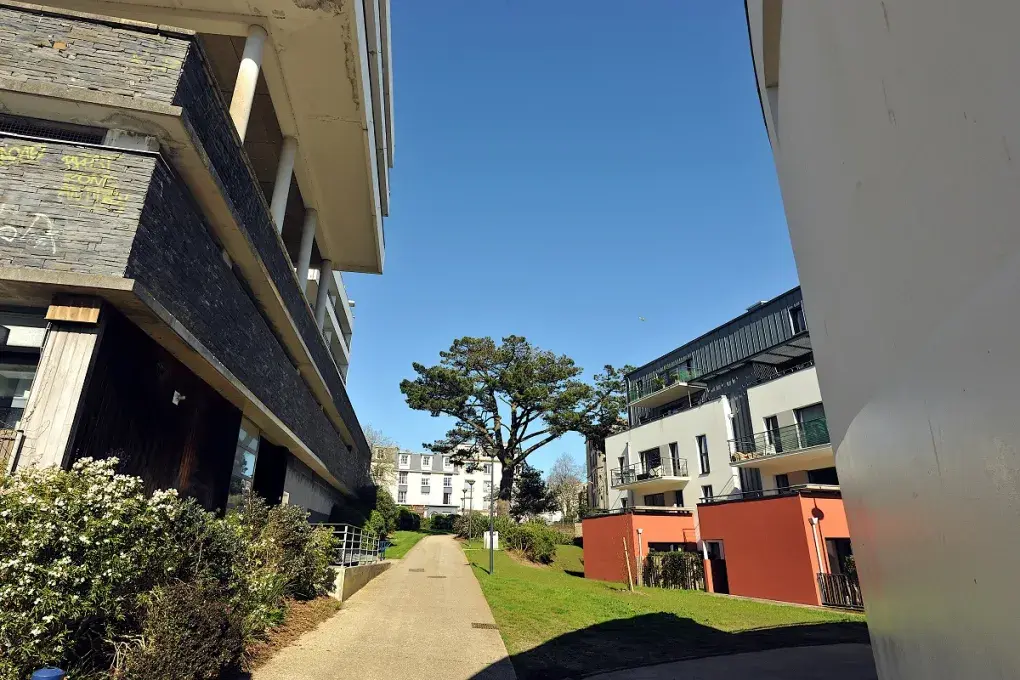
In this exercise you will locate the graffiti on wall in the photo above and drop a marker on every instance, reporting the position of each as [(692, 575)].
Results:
[(88, 180), (20, 154), (33, 231)]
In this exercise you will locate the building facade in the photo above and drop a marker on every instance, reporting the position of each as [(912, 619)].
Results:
[(736, 410), (183, 183), (430, 483), (894, 126)]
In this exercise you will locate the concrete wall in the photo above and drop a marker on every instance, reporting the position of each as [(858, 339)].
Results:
[(350, 580), (604, 536), (304, 489), (897, 150), (780, 397), (682, 428), (768, 545)]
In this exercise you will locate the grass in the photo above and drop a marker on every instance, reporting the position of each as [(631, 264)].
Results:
[(557, 624), (402, 541)]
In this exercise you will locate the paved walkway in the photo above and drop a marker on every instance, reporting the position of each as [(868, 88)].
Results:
[(829, 662), (404, 624)]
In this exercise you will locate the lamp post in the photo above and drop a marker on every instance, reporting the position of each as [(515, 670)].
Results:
[(492, 496), (471, 504)]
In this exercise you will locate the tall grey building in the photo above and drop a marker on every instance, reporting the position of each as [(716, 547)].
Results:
[(182, 185)]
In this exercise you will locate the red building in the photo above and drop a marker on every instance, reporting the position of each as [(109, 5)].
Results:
[(643, 530)]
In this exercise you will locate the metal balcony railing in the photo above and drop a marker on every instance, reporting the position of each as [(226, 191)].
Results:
[(840, 590), (796, 490), (636, 472), (356, 545), (649, 385), (784, 439)]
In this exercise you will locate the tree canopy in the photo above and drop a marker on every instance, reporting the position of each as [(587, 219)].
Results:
[(531, 496), (566, 480)]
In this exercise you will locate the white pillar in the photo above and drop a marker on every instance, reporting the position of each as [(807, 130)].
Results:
[(305, 250), (322, 297), (281, 188), (247, 78)]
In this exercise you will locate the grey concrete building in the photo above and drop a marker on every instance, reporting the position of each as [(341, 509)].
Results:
[(181, 185)]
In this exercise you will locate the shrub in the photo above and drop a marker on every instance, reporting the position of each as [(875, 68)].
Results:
[(533, 540), (563, 534), (408, 520), (387, 508), (190, 632), (442, 522), (376, 523), (477, 523), (77, 549)]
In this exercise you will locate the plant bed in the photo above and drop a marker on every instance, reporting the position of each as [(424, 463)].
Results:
[(301, 618)]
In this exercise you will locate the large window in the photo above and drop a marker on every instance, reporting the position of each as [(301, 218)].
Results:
[(656, 499), (651, 459), (703, 454), (405, 460), (447, 481), (426, 462), (401, 496), (707, 493), (245, 456), (426, 483), (402, 478), (772, 434), (447, 498), (797, 322), (15, 383)]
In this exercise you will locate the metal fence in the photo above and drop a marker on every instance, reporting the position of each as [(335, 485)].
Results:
[(356, 545), (677, 570), (635, 472), (780, 440), (840, 590)]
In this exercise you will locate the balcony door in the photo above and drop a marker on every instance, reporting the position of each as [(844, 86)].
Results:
[(773, 441), (811, 428)]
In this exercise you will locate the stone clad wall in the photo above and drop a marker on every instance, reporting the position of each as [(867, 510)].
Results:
[(69, 208), (61, 50)]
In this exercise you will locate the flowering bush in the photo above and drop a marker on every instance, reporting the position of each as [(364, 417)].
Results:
[(87, 560)]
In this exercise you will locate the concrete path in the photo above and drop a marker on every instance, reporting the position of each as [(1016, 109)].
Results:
[(405, 624), (828, 662)]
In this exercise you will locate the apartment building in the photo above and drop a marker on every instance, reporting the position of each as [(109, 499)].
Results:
[(182, 185), (431, 483), (735, 410), (728, 442), (894, 126)]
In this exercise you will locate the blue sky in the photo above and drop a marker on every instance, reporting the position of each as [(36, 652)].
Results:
[(564, 168)]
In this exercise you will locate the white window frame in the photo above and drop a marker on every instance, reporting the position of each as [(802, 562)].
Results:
[(426, 462), (487, 469), (402, 477), (447, 463), (404, 461), (401, 496), (445, 494), (447, 481), (704, 461), (426, 480), (709, 495)]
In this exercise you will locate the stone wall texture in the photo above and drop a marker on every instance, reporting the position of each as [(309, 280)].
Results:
[(69, 208), (66, 51)]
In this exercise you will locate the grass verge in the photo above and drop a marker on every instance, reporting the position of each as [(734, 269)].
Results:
[(402, 541), (557, 624), (301, 618)]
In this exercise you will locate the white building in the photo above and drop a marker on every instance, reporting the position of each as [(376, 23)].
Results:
[(432, 484), (895, 127)]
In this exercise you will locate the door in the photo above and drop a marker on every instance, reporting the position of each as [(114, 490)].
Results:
[(717, 565), (773, 442)]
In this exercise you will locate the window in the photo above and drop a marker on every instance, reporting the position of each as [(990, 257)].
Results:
[(405, 460), (679, 498), (487, 485), (703, 454), (487, 468), (447, 463), (782, 481), (823, 476), (447, 498), (706, 492), (623, 502), (15, 383), (447, 481), (245, 455), (797, 322), (426, 462), (811, 426), (650, 459), (773, 438), (426, 483), (402, 478), (401, 496), (656, 499), (750, 482)]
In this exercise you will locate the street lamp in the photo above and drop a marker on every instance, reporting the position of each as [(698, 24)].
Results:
[(471, 504), (492, 496)]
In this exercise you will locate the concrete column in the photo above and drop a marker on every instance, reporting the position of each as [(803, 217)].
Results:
[(281, 189), (322, 297), (305, 250), (247, 78), (65, 363)]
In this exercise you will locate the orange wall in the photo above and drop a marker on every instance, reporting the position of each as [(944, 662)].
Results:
[(603, 541), (768, 545)]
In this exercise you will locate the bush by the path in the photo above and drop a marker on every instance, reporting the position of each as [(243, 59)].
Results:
[(96, 574)]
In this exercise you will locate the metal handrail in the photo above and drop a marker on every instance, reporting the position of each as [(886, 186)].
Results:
[(795, 490), (781, 440), (661, 381), (635, 472), (356, 545)]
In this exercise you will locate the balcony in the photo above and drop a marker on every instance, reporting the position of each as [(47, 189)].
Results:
[(663, 388), (801, 446), (655, 477), (338, 326)]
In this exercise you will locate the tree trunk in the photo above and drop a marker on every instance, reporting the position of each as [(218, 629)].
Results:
[(506, 482)]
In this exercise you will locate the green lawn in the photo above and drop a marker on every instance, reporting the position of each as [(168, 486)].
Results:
[(557, 624), (402, 541)]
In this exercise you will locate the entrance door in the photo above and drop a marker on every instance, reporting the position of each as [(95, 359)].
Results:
[(717, 563)]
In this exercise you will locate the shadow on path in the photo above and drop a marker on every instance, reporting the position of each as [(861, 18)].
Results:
[(660, 638)]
